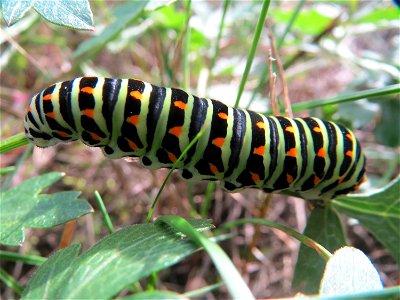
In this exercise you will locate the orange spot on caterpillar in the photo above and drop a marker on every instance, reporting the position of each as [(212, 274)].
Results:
[(219, 142), (180, 104), (349, 153), (95, 136), (136, 95), (349, 136), (260, 125), (223, 116), (213, 168), (289, 178), (63, 134), (88, 112), (292, 152), (171, 157), (321, 152), (255, 177), (132, 145), (289, 129), (259, 150), (87, 90), (52, 115), (316, 129), (134, 120), (341, 179), (316, 180), (364, 179), (304, 116), (47, 97), (176, 131)]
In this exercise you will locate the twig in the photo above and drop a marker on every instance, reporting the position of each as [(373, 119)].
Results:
[(286, 100), (272, 81), (328, 29), (23, 52), (68, 234)]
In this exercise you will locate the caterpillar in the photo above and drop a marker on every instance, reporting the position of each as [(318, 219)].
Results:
[(308, 157)]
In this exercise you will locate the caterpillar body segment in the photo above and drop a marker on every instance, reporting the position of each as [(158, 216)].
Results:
[(310, 157)]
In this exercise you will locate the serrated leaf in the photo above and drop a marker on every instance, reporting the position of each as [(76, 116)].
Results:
[(24, 207), (14, 10), (379, 212), (73, 14), (114, 263), (348, 271), (325, 228), (124, 14)]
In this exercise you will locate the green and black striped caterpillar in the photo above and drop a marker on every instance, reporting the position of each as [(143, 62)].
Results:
[(309, 157)]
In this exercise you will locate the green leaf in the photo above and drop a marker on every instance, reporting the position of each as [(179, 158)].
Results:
[(14, 10), (23, 206), (309, 21), (156, 295), (230, 275), (168, 17), (122, 258), (52, 274), (348, 271), (325, 228), (379, 212), (73, 14), (124, 15), (378, 15)]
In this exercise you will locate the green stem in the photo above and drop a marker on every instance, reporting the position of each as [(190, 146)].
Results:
[(10, 282), (216, 46), (27, 259), (202, 291), (186, 46), (13, 142), (387, 90), (19, 162), (191, 144), (250, 57), (104, 212), (264, 73), (324, 253), (230, 275), (290, 24), (207, 199)]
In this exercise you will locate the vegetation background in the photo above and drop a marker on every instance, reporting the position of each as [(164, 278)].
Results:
[(331, 48)]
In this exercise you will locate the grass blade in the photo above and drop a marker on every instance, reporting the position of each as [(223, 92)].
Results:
[(10, 282), (387, 90), (230, 275), (324, 253), (104, 212), (27, 259), (13, 142), (250, 57)]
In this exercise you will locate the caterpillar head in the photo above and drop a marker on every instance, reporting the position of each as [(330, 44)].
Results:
[(38, 126)]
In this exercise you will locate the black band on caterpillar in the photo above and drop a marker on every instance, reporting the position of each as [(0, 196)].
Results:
[(127, 117)]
